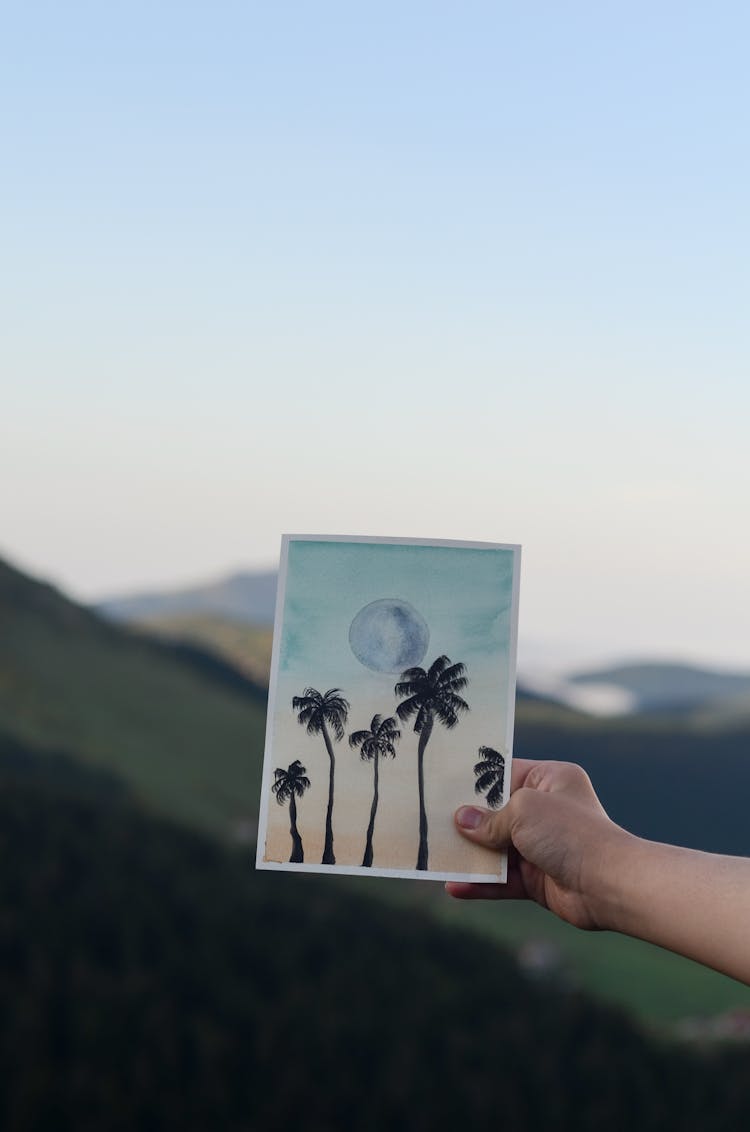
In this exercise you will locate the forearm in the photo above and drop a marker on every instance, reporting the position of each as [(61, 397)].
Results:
[(697, 904)]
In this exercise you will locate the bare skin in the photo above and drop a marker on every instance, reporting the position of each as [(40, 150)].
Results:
[(567, 855)]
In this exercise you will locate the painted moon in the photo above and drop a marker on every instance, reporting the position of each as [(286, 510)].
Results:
[(389, 635)]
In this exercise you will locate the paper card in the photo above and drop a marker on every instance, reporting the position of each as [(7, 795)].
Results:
[(391, 703)]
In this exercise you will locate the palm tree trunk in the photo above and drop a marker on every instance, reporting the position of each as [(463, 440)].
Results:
[(424, 738), (298, 854), (328, 857), (367, 859)]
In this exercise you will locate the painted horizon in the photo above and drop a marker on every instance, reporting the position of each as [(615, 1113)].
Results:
[(391, 702)]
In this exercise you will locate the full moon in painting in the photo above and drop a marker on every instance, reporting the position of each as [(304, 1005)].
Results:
[(389, 635)]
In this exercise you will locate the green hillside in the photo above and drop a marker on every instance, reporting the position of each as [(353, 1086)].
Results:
[(151, 981), (185, 731), (247, 647)]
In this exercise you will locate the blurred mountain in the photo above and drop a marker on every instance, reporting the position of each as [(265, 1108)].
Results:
[(232, 618), (246, 646), (247, 597), (666, 688), (183, 726)]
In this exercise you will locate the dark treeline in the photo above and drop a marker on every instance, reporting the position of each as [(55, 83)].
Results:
[(674, 784), (149, 980)]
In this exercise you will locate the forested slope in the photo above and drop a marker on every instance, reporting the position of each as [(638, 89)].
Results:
[(149, 980)]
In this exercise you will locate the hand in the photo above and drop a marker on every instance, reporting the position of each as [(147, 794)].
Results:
[(560, 841)]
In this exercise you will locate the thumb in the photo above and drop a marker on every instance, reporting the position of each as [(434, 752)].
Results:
[(491, 828)]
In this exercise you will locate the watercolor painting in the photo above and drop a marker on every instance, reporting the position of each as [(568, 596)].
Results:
[(390, 704)]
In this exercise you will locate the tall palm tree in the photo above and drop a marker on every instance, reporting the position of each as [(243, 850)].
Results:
[(289, 785), (490, 772), (431, 695), (379, 740), (317, 712)]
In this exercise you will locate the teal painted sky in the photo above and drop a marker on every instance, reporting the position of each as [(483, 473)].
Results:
[(471, 270), (464, 595)]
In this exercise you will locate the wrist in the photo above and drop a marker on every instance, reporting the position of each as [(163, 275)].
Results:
[(613, 885)]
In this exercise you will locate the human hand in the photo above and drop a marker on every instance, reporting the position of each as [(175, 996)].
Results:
[(562, 845)]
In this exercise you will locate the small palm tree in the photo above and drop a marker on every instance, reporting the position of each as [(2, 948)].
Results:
[(289, 785), (490, 772), (379, 740), (431, 695), (317, 712)]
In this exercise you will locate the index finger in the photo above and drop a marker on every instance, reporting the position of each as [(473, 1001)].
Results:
[(519, 772)]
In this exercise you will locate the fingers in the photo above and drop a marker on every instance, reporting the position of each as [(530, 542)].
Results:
[(520, 770), (513, 890), (486, 827), (464, 890)]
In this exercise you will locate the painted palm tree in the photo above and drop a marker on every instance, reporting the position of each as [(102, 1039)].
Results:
[(490, 772), (289, 785), (317, 712), (430, 696), (379, 741)]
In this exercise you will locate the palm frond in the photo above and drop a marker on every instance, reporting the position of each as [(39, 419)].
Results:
[(447, 716), (437, 667), (495, 796), (490, 755), (335, 711), (407, 708), (357, 738), (310, 697), (448, 708), (336, 723), (413, 674), (490, 774), (485, 779), (455, 684), (375, 724), (334, 697), (457, 704), (308, 716), (281, 786), (408, 687), (388, 729), (454, 672)]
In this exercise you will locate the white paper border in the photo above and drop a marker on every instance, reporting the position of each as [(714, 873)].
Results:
[(265, 796)]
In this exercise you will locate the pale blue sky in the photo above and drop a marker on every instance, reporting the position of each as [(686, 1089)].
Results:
[(467, 271)]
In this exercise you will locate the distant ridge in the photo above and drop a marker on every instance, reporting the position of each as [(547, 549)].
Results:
[(247, 596), (670, 687), (232, 617)]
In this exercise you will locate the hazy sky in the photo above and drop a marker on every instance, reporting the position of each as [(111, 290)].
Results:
[(470, 270)]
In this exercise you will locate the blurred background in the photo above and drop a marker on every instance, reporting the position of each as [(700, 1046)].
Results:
[(468, 271)]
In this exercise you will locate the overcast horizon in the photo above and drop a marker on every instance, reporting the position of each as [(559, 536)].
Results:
[(414, 270)]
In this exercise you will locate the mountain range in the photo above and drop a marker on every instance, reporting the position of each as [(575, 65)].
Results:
[(182, 730), (234, 614), (245, 597)]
